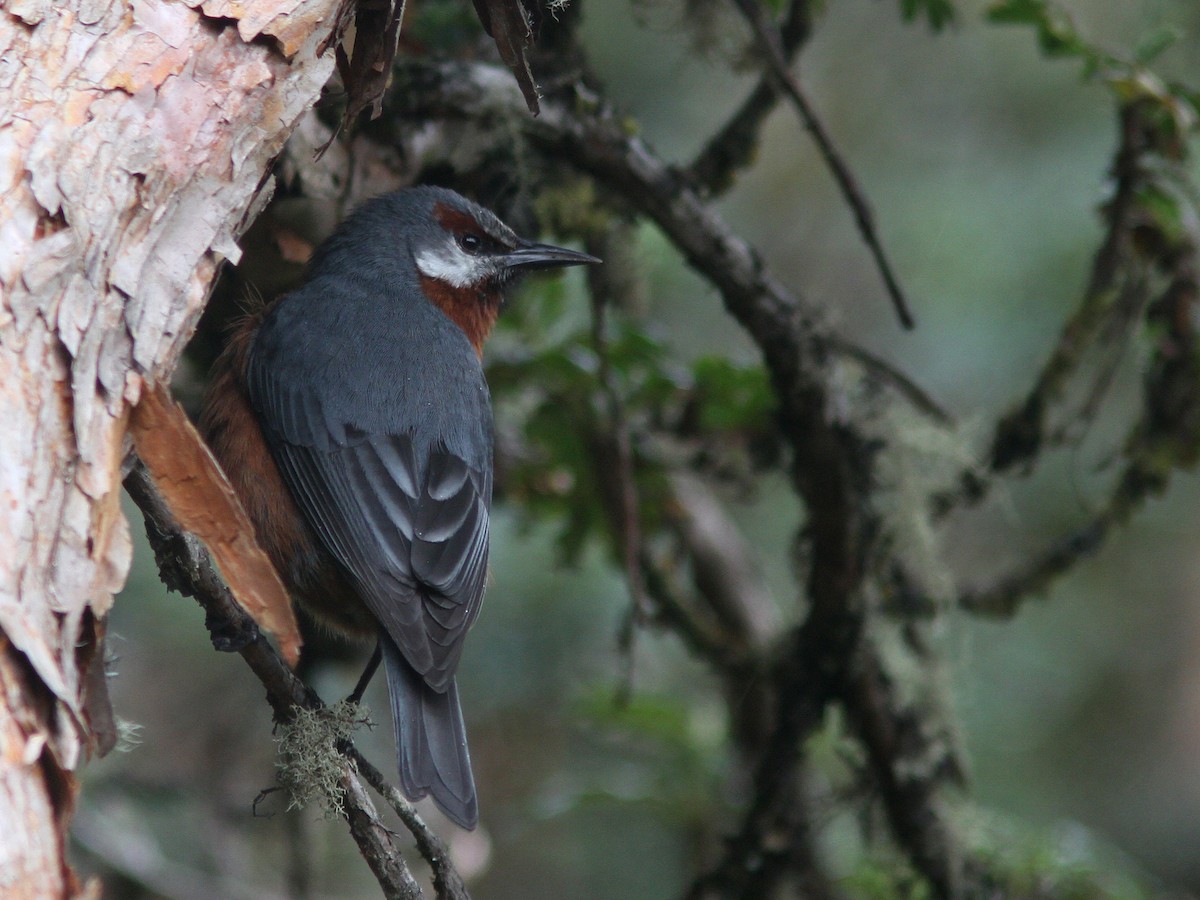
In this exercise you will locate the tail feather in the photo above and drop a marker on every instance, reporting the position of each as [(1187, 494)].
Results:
[(431, 740)]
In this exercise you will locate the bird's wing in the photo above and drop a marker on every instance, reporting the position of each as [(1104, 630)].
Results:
[(411, 525)]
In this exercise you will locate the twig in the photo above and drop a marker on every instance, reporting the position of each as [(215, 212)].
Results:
[(1019, 435), (756, 860), (733, 146), (724, 574), (772, 45), (885, 373), (446, 880), (1166, 437), (186, 567), (374, 841), (1002, 598), (1155, 445), (616, 466), (702, 636)]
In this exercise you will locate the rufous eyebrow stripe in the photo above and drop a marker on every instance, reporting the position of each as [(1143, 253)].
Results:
[(455, 220)]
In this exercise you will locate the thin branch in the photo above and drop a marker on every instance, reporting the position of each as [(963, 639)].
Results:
[(625, 506), (1111, 293), (732, 636), (1003, 597), (887, 374), (724, 573), (1019, 435), (374, 840), (446, 880), (756, 860), (733, 146), (702, 636), (1143, 477), (1167, 437), (772, 45), (186, 567)]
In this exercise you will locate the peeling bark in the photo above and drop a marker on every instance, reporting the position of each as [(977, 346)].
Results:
[(134, 138), (204, 502)]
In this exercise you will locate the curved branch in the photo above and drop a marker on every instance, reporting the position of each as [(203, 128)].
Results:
[(733, 146), (186, 567), (1020, 436), (831, 469), (772, 45)]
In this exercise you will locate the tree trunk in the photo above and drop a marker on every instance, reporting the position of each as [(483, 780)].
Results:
[(134, 138)]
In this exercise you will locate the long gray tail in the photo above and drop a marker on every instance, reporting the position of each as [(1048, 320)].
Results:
[(431, 740)]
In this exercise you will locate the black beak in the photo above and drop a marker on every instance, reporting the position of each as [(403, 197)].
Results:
[(545, 256)]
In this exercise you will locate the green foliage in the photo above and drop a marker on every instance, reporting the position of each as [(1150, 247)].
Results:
[(1066, 862), (1163, 210), (445, 24), (1154, 42), (1128, 78), (729, 397), (938, 13), (661, 719), (886, 879), (684, 757), (550, 387), (556, 385), (1056, 32)]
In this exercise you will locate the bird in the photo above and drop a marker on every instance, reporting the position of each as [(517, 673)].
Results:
[(354, 421)]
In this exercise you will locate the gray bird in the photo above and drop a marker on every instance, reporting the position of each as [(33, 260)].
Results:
[(354, 421)]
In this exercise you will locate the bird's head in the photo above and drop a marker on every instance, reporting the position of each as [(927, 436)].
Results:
[(466, 258)]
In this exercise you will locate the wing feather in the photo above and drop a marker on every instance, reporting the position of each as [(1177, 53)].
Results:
[(409, 523)]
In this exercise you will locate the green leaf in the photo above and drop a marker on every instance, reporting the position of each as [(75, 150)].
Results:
[(1017, 12), (939, 13), (731, 397), (1055, 31), (1154, 42), (1164, 210), (661, 717)]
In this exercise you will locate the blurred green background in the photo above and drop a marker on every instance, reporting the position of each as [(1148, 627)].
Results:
[(1080, 718)]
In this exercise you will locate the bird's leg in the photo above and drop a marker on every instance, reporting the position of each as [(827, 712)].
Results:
[(368, 673)]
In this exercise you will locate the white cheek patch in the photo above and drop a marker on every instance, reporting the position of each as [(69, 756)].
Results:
[(451, 265)]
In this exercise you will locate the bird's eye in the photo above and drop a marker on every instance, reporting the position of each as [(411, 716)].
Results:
[(471, 243)]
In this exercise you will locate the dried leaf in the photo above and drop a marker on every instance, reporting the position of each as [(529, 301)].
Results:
[(513, 25), (367, 68), (204, 504)]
